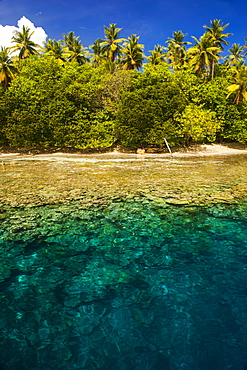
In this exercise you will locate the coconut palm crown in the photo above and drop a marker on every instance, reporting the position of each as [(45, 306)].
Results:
[(23, 43), (7, 67), (111, 44), (132, 53)]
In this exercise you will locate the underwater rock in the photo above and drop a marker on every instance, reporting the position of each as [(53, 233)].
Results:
[(177, 202)]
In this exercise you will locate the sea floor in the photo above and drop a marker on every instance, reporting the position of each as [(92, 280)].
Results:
[(123, 262)]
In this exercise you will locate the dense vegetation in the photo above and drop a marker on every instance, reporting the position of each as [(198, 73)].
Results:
[(64, 94)]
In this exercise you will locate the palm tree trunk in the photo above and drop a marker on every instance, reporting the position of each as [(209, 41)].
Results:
[(212, 69)]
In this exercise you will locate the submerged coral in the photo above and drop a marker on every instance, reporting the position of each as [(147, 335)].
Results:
[(124, 277)]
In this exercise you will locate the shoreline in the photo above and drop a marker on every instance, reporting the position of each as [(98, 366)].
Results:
[(203, 176), (198, 150)]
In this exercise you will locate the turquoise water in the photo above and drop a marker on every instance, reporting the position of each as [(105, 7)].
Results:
[(129, 284)]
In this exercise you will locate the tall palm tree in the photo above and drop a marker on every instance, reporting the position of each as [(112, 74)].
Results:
[(74, 49), (216, 30), (176, 48), (203, 53), (158, 55), (55, 49), (235, 57), (132, 53), (70, 39), (217, 35), (111, 44), (77, 53), (23, 43), (239, 88), (97, 57), (7, 67)]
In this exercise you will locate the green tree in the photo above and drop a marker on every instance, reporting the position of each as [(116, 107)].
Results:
[(239, 88), (197, 124), (176, 52), (203, 53), (97, 56), (236, 57), (215, 30), (23, 43), (132, 54), (7, 67), (111, 44), (113, 86), (52, 104), (70, 39), (158, 55), (54, 48), (26, 101), (217, 36), (235, 128), (77, 114), (74, 49), (3, 116), (146, 112)]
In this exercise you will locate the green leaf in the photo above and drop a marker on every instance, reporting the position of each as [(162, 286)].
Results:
[(233, 87), (244, 93)]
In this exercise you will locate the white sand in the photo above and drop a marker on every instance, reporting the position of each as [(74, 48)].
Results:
[(213, 149), (195, 150)]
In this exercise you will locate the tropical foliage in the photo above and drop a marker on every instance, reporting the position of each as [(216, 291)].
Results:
[(7, 67), (239, 88), (54, 48), (64, 94), (203, 55), (111, 45), (23, 43), (74, 49), (158, 55), (176, 52), (132, 52), (236, 57)]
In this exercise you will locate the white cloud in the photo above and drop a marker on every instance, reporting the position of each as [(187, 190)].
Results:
[(7, 32)]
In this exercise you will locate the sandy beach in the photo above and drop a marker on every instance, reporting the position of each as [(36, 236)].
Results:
[(213, 149), (198, 150)]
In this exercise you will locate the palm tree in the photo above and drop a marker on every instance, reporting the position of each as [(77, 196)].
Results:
[(23, 42), (176, 48), (97, 55), (77, 53), (70, 39), (7, 68), (109, 66), (74, 49), (55, 49), (215, 30), (239, 88), (235, 57), (132, 53), (245, 46), (111, 44), (158, 55), (203, 53)]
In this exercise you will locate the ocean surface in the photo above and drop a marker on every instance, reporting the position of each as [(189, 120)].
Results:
[(127, 262)]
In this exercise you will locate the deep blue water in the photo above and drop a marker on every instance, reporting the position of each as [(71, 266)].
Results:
[(128, 286)]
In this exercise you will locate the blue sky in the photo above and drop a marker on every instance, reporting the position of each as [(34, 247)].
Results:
[(154, 21)]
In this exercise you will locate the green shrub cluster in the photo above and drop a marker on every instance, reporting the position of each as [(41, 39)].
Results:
[(55, 104)]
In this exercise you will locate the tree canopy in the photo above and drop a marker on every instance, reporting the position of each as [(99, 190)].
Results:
[(65, 94)]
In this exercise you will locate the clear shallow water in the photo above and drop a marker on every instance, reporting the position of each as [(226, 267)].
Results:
[(130, 281)]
